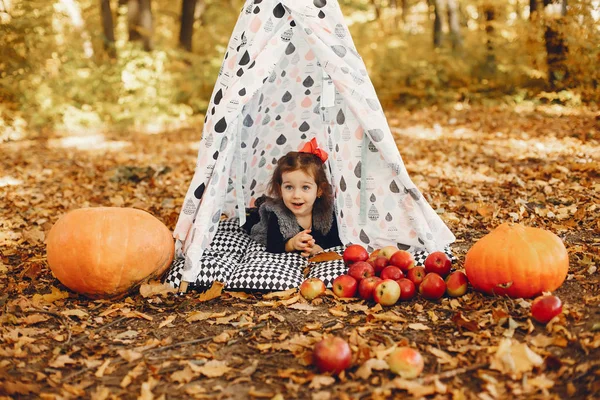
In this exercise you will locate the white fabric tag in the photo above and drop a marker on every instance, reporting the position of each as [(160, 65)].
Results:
[(328, 93)]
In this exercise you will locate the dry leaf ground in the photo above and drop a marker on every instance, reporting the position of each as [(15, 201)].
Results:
[(477, 166)]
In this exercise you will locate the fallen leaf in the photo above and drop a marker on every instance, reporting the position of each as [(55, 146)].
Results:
[(303, 307), (388, 316), (357, 307), (327, 256), (203, 315), (75, 313), (541, 341), (366, 369), (146, 389), (312, 326), (514, 358), (291, 300), (285, 294), (212, 369), (194, 390), (215, 291), (34, 235), (100, 372), (443, 357), (32, 319), (12, 388), (167, 321), (100, 393), (55, 295), (223, 337), (155, 288), (260, 395), (134, 373), (337, 313), (129, 355), (185, 375), (414, 388), (125, 336), (319, 381), (61, 361), (417, 326), (540, 382), (239, 295), (32, 272), (463, 322), (248, 371)]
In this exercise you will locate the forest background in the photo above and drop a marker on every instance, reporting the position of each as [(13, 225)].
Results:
[(494, 105), (81, 66)]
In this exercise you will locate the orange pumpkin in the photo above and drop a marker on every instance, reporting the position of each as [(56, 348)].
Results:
[(517, 261), (106, 252)]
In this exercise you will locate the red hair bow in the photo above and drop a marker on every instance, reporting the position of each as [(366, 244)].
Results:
[(313, 148)]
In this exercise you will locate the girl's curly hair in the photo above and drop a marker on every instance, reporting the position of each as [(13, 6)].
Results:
[(311, 165)]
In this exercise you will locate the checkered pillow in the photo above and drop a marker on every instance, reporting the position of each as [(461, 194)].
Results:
[(230, 239), (231, 225), (261, 270), (175, 273)]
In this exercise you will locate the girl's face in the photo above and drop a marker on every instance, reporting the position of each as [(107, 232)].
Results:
[(299, 192)]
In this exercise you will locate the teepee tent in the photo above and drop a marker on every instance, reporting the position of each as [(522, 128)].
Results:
[(292, 73)]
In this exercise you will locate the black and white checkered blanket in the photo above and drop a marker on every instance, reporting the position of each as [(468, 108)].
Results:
[(241, 263)]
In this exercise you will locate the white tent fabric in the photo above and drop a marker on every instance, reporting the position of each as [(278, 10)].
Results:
[(291, 73)]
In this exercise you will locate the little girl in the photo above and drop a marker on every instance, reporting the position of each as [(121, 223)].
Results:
[(299, 215)]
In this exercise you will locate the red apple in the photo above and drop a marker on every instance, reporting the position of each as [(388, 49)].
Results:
[(388, 251), (391, 272), (544, 308), (345, 286), (407, 289), (403, 260), (433, 286), (456, 284), (374, 254), (416, 275), (366, 287), (379, 264), (360, 270), (312, 288), (439, 263), (354, 253), (332, 354), (406, 362), (387, 292)]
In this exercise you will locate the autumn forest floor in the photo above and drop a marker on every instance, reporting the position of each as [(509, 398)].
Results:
[(477, 166)]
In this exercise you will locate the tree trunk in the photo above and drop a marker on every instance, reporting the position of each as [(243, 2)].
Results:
[(108, 28), (490, 15), (404, 11), (533, 7), (394, 6), (377, 9), (454, 24), (556, 45), (437, 23), (139, 15), (188, 11)]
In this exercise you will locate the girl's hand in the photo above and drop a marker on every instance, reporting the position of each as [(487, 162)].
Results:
[(316, 249), (302, 242)]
